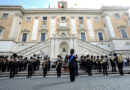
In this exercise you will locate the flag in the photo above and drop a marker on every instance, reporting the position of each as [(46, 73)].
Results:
[(49, 6), (60, 5), (75, 4)]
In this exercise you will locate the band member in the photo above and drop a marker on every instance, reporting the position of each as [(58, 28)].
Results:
[(30, 68), (89, 65), (72, 61), (49, 64), (59, 65), (94, 63), (81, 62), (66, 63), (113, 63), (12, 68), (104, 65), (107, 61), (44, 67), (119, 61), (99, 64), (76, 68)]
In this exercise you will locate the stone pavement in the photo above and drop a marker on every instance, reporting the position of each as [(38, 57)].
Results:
[(84, 82)]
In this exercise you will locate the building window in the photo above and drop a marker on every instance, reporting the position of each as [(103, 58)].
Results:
[(5, 15), (100, 36), (96, 19), (63, 18), (44, 18), (124, 34), (83, 38), (24, 38), (117, 15), (43, 36), (105, 25), (0, 33), (81, 18), (28, 19)]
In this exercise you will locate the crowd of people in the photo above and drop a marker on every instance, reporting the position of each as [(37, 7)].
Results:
[(73, 63), (89, 63), (16, 63)]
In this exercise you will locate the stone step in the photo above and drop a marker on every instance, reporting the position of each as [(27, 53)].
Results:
[(51, 73)]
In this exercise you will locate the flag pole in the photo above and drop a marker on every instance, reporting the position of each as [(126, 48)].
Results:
[(62, 4)]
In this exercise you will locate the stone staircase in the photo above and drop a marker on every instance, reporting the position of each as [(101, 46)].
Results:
[(82, 46), (34, 49), (53, 72), (93, 49)]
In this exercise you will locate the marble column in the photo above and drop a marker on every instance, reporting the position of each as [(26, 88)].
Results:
[(57, 48), (52, 26), (15, 27), (35, 29), (128, 17), (73, 26), (52, 56), (109, 26), (90, 28)]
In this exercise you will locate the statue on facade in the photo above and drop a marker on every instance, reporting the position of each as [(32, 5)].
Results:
[(64, 50)]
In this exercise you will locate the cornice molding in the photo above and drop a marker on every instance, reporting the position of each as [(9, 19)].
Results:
[(99, 30), (43, 30), (1, 27), (64, 10), (25, 30), (122, 27)]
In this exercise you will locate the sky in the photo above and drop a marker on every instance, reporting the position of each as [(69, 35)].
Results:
[(71, 3)]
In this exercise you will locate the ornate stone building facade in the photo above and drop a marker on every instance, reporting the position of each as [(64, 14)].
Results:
[(54, 31)]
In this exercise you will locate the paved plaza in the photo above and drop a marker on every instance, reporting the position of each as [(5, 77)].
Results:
[(83, 82)]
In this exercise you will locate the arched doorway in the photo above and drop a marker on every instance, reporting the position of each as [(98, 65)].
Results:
[(64, 48)]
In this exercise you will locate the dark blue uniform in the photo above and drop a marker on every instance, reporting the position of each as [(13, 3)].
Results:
[(72, 68), (30, 69), (12, 69)]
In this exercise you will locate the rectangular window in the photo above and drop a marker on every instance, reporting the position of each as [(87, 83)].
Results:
[(28, 19), (83, 38), (24, 38), (100, 36), (105, 25), (43, 36), (44, 18), (117, 15), (81, 18), (63, 18), (0, 32), (5, 15), (124, 34), (96, 19)]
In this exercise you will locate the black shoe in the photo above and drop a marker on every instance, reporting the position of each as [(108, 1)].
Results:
[(72, 81)]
